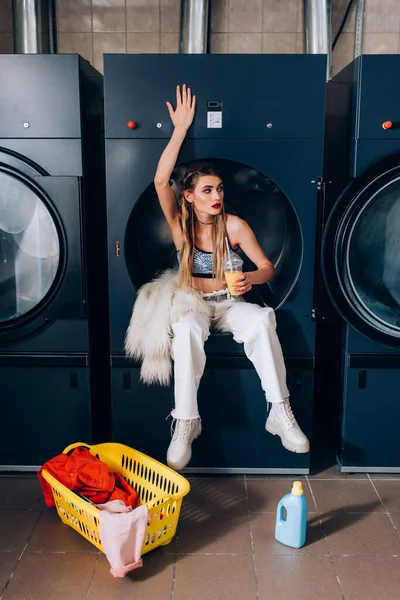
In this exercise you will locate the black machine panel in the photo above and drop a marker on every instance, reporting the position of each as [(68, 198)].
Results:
[(29, 108), (233, 410), (45, 404), (378, 100), (256, 112)]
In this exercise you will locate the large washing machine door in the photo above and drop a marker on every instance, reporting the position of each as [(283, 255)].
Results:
[(361, 254), (149, 248), (40, 248), (270, 184)]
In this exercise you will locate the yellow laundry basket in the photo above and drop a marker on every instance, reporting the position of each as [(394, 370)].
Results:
[(158, 486)]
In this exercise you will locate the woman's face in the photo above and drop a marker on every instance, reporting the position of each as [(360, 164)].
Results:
[(208, 195)]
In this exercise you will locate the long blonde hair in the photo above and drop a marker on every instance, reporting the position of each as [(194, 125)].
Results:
[(187, 220)]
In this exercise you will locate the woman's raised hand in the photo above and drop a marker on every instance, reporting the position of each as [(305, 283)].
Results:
[(183, 115)]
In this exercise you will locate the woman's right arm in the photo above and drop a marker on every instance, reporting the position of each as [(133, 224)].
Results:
[(182, 118)]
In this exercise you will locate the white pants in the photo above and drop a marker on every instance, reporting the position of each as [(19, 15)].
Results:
[(251, 325)]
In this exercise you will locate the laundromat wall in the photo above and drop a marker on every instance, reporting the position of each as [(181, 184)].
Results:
[(236, 27)]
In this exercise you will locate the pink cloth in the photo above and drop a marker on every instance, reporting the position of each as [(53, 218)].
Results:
[(122, 532)]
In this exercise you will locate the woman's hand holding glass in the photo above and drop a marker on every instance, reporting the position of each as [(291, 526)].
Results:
[(242, 284)]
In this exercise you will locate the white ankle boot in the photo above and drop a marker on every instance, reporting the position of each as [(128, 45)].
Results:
[(281, 421), (180, 449)]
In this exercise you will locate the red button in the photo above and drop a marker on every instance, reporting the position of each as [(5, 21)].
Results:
[(131, 124), (387, 125)]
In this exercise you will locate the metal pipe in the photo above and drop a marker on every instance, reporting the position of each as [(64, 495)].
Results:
[(358, 34), (34, 26), (317, 31), (193, 30)]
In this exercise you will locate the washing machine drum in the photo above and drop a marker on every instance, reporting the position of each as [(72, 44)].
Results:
[(361, 256), (251, 195), (29, 249)]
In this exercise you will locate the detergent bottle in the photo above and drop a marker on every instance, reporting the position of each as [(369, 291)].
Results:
[(292, 530)]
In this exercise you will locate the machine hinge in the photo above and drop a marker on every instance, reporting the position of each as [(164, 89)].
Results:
[(117, 249), (316, 315), (320, 183)]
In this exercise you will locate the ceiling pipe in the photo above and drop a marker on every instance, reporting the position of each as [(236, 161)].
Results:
[(34, 26), (193, 29), (317, 31)]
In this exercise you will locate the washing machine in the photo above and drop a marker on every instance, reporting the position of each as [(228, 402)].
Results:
[(53, 282), (260, 119), (359, 295)]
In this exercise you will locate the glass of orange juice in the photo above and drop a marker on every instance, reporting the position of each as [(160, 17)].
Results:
[(233, 268)]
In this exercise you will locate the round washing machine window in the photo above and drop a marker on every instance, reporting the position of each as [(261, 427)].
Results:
[(373, 258), (29, 248), (361, 256), (251, 195)]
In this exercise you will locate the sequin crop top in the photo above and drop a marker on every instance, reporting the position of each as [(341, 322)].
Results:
[(202, 263)]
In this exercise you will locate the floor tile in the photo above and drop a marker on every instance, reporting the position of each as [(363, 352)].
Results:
[(219, 494), (345, 496), (324, 471), (214, 516), (51, 535), (153, 580), (21, 492), (274, 476), (264, 494), (395, 519), (389, 476), (8, 560), (361, 534), (51, 577), (209, 577), (369, 577), (214, 508), (389, 492), (214, 526), (215, 532), (263, 534), (15, 528), (299, 577)]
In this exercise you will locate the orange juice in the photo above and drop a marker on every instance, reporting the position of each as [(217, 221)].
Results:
[(230, 277), (233, 268)]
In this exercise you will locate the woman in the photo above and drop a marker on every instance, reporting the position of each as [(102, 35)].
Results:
[(199, 226)]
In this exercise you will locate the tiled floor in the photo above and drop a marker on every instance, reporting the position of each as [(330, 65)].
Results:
[(225, 548)]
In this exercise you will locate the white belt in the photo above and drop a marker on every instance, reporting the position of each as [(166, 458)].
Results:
[(219, 296)]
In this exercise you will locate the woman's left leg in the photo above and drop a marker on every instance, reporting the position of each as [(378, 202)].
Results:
[(255, 327)]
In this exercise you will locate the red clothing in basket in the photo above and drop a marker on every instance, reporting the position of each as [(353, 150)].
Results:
[(85, 474)]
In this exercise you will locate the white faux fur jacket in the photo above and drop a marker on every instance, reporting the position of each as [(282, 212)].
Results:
[(159, 303)]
